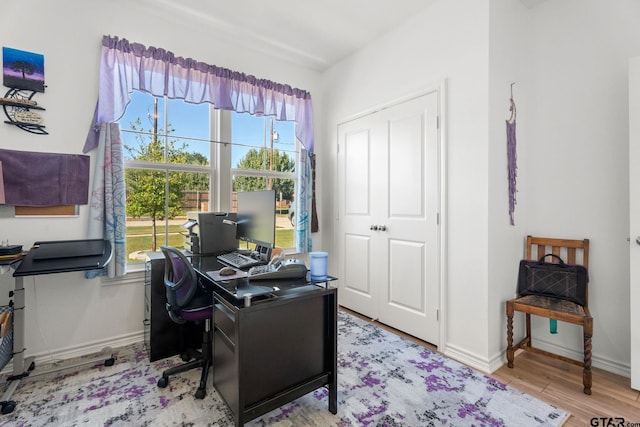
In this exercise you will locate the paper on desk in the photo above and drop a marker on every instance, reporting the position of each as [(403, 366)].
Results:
[(215, 275)]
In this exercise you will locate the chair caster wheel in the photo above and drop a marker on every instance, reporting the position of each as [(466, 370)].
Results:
[(110, 361), (163, 382), (185, 357), (201, 393), (8, 407)]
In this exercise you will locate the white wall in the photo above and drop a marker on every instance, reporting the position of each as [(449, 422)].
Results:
[(569, 61), (509, 55), (449, 40), (65, 311), (576, 155)]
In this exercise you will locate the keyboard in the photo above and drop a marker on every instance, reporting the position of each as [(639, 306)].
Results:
[(238, 260)]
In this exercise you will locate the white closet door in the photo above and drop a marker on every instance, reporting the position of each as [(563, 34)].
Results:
[(358, 189), (388, 216)]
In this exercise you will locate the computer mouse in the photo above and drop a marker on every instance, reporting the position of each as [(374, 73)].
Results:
[(227, 271)]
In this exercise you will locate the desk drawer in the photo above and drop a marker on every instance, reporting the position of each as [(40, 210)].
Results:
[(225, 321)]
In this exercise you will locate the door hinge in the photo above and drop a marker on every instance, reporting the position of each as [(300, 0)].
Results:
[(437, 314)]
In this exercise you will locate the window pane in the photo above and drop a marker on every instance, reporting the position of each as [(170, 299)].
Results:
[(248, 183), (186, 130), (262, 143), (285, 216), (285, 144), (137, 123), (145, 211), (188, 152), (192, 189), (188, 120), (188, 133), (157, 202)]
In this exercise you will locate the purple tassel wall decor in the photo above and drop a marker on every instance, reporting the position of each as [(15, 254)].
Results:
[(512, 158)]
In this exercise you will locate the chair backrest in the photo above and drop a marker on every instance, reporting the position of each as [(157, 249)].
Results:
[(180, 281), (571, 251)]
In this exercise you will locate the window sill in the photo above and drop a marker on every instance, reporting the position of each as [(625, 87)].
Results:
[(135, 277)]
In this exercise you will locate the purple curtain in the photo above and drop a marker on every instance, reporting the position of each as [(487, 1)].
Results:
[(126, 67)]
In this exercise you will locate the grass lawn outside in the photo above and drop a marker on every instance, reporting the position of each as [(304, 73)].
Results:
[(139, 238)]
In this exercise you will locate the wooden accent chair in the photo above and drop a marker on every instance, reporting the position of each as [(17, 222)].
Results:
[(553, 308)]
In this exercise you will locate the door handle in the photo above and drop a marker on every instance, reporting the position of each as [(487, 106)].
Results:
[(373, 227), (638, 240), (382, 227)]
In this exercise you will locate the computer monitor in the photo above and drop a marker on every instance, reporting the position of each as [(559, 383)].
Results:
[(257, 218)]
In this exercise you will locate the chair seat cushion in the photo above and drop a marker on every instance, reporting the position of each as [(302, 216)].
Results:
[(200, 301), (551, 304)]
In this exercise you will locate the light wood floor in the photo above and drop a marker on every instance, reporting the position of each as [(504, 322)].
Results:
[(560, 384)]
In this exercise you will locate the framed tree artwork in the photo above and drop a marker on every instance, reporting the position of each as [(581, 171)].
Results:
[(22, 70)]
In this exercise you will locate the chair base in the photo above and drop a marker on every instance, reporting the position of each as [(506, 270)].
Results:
[(526, 345), (203, 359)]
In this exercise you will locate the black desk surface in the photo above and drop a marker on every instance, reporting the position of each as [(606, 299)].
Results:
[(73, 255), (241, 287)]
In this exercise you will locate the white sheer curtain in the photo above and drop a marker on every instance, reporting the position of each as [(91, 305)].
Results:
[(107, 207), (303, 201), (126, 67)]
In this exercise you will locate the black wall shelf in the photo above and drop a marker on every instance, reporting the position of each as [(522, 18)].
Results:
[(15, 103)]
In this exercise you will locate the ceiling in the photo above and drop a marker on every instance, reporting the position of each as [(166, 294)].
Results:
[(312, 33)]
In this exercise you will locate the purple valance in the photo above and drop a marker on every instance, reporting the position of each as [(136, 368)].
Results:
[(126, 67), (44, 179)]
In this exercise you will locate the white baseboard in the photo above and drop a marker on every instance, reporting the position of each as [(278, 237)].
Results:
[(467, 358), (596, 361), (490, 366), (80, 350)]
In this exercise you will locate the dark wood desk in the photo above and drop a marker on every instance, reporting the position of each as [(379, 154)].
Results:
[(276, 349)]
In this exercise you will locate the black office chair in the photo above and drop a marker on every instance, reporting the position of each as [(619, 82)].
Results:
[(188, 300)]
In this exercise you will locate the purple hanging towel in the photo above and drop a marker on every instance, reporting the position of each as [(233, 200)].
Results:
[(44, 179)]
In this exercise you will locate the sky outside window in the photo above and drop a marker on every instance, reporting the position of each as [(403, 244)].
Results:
[(193, 121)]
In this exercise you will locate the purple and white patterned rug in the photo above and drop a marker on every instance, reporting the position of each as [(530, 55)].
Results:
[(383, 380)]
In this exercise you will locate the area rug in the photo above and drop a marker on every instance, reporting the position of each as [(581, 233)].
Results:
[(383, 380)]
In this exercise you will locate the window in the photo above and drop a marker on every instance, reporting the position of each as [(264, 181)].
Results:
[(263, 156), (174, 164)]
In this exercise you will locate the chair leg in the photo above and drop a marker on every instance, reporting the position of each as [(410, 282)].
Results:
[(206, 360), (510, 352), (586, 372), (529, 342), (182, 368), (203, 360)]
